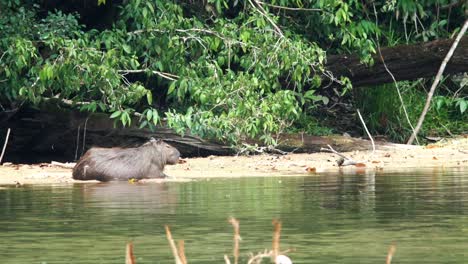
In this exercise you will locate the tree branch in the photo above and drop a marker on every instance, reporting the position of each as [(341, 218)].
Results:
[(165, 75), (262, 11), (290, 8), (436, 82)]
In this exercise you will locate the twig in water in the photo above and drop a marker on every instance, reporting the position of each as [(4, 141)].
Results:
[(5, 144), (175, 253), (368, 134), (390, 253), (436, 82), (226, 259), (258, 258), (235, 223), (129, 257), (181, 245), (276, 240)]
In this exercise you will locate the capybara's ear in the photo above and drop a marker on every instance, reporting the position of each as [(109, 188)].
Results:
[(156, 141)]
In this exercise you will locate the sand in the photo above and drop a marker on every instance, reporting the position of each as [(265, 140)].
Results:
[(448, 154)]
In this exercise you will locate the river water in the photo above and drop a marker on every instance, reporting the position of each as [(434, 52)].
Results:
[(326, 219)]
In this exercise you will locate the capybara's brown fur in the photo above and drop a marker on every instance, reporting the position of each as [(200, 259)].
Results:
[(143, 162)]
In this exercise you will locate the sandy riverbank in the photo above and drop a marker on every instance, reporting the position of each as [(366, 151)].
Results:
[(453, 154)]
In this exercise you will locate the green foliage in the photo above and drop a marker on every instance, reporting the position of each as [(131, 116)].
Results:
[(385, 115), (229, 70)]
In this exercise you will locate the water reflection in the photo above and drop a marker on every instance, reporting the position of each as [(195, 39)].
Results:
[(327, 218)]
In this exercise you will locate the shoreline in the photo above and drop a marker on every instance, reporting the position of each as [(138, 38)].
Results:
[(450, 156)]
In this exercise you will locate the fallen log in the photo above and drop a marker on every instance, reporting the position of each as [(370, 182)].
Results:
[(308, 143), (64, 135), (406, 62)]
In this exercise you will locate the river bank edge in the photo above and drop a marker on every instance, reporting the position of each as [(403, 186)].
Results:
[(436, 156)]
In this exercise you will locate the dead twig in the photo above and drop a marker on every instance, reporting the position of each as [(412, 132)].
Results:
[(5, 144), (330, 149), (181, 245), (368, 133), (84, 135), (129, 257), (77, 143), (165, 75), (391, 252), (68, 165), (343, 160), (235, 224), (226, 259), (276, 240), (175, 253), (436, 82), (256, 259)]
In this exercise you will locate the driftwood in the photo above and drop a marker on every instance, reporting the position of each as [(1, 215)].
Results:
[(406, 62)]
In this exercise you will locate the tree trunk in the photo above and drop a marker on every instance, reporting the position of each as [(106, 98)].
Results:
[(406, 62)]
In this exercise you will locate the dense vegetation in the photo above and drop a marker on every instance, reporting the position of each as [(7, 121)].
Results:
[(226, 70)]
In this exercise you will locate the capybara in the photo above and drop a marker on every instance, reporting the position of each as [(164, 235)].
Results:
[(143, 162)]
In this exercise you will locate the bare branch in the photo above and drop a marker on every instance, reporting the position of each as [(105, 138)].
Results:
[(5, 144), (235, 224), (290, 8), (436, 82), (368, 133), (165, 75), (129, 257), (276, 240), (391, 74), (262, 11), (391, 252), (330, 149), (175, 252), (226, 259)]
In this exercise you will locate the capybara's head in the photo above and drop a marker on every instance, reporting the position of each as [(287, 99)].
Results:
[(169, 154)]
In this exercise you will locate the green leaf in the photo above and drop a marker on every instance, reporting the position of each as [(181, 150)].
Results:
[(149, 114), (127, 48), (155, 117), (439, 103), (463, 106), (143, 124), (171, 88), (116, 114), (149, 97), (245, 35), (123, 119)]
